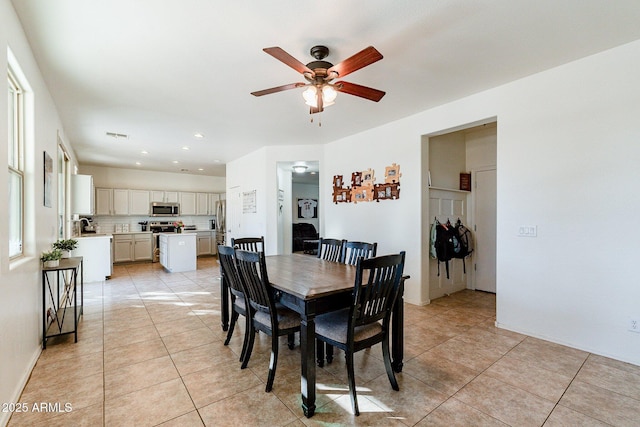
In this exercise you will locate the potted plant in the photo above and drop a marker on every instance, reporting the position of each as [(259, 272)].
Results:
[(178, 225), (51, 258), (65, 246)]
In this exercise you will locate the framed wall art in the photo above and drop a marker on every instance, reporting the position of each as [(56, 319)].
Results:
[(307, 208)]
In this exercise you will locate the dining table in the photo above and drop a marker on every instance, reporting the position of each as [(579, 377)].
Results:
[(312, 286)]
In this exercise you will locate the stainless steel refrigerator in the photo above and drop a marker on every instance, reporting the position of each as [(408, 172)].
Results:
[(221, 224)]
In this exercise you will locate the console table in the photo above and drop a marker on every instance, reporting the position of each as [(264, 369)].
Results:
[(61, 284)]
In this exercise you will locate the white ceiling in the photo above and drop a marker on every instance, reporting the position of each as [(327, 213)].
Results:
[(162, 70)]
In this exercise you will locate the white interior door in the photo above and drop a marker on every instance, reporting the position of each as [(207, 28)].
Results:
[(485, 230)]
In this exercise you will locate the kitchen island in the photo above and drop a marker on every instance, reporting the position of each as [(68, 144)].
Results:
[(95, 249), (178, 251)]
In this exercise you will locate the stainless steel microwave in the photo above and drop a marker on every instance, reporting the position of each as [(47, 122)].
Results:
[(164, 209)]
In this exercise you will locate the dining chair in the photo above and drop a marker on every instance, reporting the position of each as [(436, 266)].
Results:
[(330, 249), (253, 244), (353, 250), (350, 254), (269, 317), (367, 321), (226, 255)]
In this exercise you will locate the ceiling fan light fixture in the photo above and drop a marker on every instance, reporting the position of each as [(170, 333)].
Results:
[(329, 94), (309, 96)]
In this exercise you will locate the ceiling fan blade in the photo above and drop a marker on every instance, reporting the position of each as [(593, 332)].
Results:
[(361, 59), (277, 89), (359, 90), (289, 60)]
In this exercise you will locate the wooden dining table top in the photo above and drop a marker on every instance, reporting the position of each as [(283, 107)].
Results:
[(308, 277)]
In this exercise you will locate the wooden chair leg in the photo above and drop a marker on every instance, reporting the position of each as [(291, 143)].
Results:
[(245, 341), (320, 352), (329, 349), (291, 341), (273, 363), (387, 364), (252, 334), (234, 318), (352, 382)]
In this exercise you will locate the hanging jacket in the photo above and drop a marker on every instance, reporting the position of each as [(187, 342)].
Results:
[(432, 241)]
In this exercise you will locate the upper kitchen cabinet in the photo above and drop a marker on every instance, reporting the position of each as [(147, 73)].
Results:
[(202, 203), (104, 201), (82, 194), (112, 201), (213, 201), (139, 202), (187, 203), (164, 196)]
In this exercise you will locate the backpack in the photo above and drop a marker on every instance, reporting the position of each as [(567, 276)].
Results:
[(466, 242), (447, 244)]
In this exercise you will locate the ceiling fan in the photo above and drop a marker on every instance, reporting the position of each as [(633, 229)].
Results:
[(321, 90)]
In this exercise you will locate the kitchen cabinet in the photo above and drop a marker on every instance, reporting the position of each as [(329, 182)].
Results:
[(132, 247), (164, 196), (202, 203), (139, 202), (112, 201), (187, 203), (213, 200), (96, 253), (82, 193), (120, 201), (204, 242), (104, 201)]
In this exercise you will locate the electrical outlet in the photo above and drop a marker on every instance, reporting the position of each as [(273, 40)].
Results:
[(634, 325)]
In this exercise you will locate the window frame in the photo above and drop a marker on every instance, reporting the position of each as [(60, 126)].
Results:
[(15, 147)]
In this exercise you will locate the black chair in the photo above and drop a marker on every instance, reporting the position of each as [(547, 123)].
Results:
[(358, 327), (226, 255), (330, 249), (252, 244), (350, 254), (267, 316), (353, 250)]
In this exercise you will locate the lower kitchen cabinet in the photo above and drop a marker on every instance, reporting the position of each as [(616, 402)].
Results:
[(204, 242), (132, 247)]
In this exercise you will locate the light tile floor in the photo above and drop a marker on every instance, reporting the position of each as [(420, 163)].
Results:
[(150, 352)]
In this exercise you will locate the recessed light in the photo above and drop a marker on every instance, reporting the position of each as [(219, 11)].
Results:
[(185, 148), (200, 169), (216, 161), (144, 152), (138, 163), (175, 161), (198, 135)]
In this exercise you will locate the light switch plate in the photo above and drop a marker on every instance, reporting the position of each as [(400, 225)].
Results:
[(528, 231)]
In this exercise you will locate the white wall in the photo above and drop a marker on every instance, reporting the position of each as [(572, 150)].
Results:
[(20, 282), (259, 171), (567, 161)]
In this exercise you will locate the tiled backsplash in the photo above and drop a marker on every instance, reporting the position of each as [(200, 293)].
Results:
[(107, 224)]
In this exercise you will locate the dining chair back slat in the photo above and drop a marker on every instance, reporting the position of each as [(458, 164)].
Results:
[(353, 250), (330, 249), (253, 244)]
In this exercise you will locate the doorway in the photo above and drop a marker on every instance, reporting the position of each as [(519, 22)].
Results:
[(465, 149)]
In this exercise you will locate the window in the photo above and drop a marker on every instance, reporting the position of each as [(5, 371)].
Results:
[(16, 167)]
